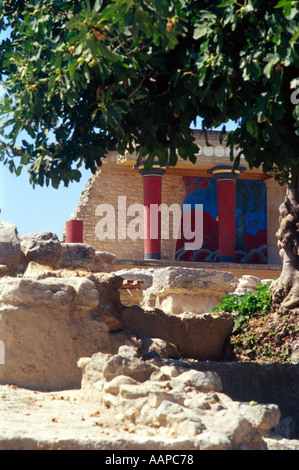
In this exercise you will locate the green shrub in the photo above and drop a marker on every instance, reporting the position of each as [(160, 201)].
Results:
[(246, 306)]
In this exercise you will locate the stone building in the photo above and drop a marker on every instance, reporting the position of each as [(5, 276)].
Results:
[(236, 214)]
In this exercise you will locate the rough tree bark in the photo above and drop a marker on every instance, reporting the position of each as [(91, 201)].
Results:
[(285, 290)]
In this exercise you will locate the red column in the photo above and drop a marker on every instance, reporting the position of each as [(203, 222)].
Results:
[(226, 198), (74, 231), (152, 198)]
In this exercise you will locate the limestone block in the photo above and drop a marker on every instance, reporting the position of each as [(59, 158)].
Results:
[(43, 248), (47, 325), (10, 249), (177, 290), (198, 336)]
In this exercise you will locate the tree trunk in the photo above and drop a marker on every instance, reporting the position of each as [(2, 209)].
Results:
[(285, 290)]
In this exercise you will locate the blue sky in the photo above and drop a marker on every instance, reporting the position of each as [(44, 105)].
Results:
[(41, 209)]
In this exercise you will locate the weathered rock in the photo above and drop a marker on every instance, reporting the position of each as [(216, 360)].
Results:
[(10, 250), (77, 256), (240, 431), (155, 398), (136, 369), (199, 336), (113, 386), (43, 248), (38, 271), (263, 417), (47, 325), (103, 262), (126, 414), (287, 428), (178, 290), (108, 286), (247, 283), (110, 324), (139, 390), (295, 352), (213, 440), (200, 381), (129, 352), (169, 413), (161, 347), (183, 403)]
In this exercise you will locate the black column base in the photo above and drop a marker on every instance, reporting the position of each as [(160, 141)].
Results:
[(152, 256)]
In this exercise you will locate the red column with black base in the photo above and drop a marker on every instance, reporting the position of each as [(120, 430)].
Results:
[(152, 198), (226, 198)]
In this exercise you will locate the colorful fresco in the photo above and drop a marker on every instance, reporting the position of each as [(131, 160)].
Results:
[(251, 221)]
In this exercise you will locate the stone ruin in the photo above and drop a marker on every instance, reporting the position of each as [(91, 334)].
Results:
[(68, 320), (61, 301)]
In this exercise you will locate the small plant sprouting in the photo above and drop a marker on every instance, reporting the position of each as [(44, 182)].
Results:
[(246, 306)]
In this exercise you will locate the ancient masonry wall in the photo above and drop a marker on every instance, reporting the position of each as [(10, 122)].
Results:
[(105, 187)]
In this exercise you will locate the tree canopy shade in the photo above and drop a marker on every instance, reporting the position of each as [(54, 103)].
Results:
[(86, 77)]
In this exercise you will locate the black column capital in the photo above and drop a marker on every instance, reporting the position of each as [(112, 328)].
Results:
[(225, 172)]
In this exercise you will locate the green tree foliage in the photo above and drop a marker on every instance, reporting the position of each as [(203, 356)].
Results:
[(86, 77)]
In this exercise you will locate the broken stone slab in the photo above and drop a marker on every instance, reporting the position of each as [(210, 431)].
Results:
[(135, 296), (197, 336), (43, 248), (135, 274), (177, 290)]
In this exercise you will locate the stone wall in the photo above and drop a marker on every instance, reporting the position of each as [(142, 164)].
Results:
[(111, 182), (104, 188)]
